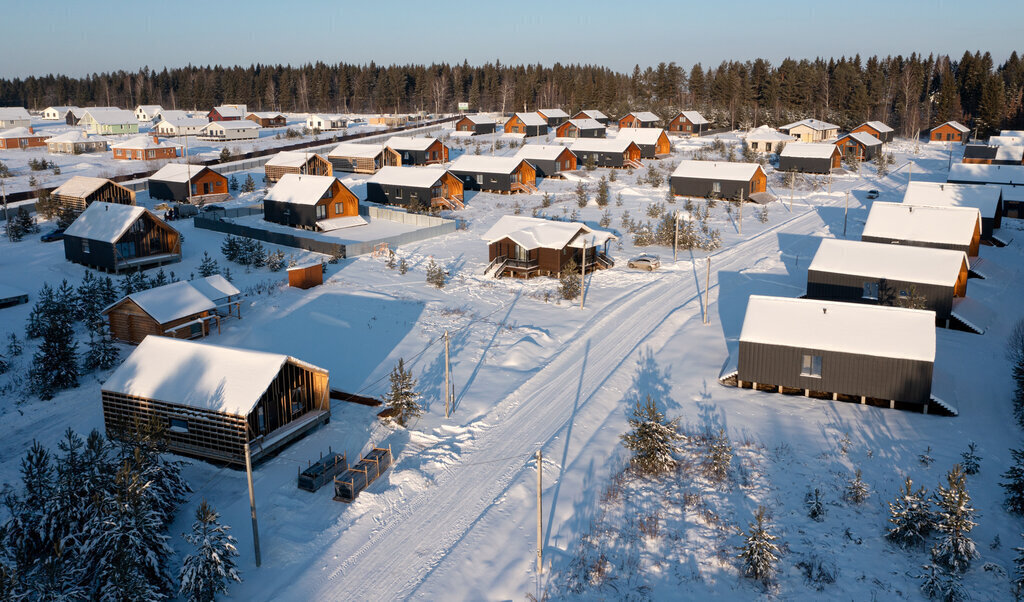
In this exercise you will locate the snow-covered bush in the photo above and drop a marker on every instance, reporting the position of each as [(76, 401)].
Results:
[(652, 439), (912, 519), (759, 554)]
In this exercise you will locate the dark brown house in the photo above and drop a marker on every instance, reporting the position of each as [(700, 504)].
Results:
[(179, 182), (524, 247), (418, 150), (877, 129), (410, 186), (268, 119), (527, 124), (956, 228), (296, 162), (719, 179), (689, 123), (476, 125), (182, 310), (607, 152), (116, 238), (495, 174), (81, 191)]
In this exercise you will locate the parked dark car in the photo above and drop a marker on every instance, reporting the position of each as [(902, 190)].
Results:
[(53, 236), (213, 208)]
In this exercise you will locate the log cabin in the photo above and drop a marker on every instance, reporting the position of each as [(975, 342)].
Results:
[(117, 238), (810, 157), (495, 174), (224, 131), (811, 130), (554, 117), (880, 274), (296, 162), (81, 191), (861, 145), (475, 125), (956, 228), (268, 119), (639, 119), (411, 186), (227, 113), (594, 114), (548, 159), (418, 150), (877, 129), (309, 202), (652, 142), (951, 131), (764, 139), (21, 137), (860, 352), (526, 124), (986, 198), (362, 158), (580, 128), (182, 310), (230, 397), (145, 148), (180, 182), (689, 123), (719, 179), (524, 247), (75, 142), (14, 117), (609, 152)]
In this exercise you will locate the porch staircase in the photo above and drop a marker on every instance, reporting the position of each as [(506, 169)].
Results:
[(447, 203), (604, 262), (634, 163), (497, 265), (524, 187)]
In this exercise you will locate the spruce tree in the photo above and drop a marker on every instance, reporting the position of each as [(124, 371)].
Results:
[(912, 519), (1015, 353), (971, 460), (249, 185), (402, 396), (569, 285), (602, 192), (275, 261), (233, 184), (14, 347), (403, 266), (208, 266), (759, 554), (41, 313), (857, 490), (435, 275), (102, 353), (581, 195), (207, 571), (815, 509), (1018, 574), (955, 550), (1014, 483), (719, 457), (25, 537), (652, 439), (108, 292), (55, 364), (231, 248), (88, 304)]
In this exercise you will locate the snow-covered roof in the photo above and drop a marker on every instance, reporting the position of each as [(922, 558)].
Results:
[(956, 125), (983, 197), (413, 177), (80, 112), (177, 172), (265, 114), (810, 150), (1013, 193), (300, 189), (337, 223), (181, 122), (75, 136), (814, 124), (540, 152), (974, 173), (62, 109), (486, 164), (893, 262), (549, 113), (172, 301), (1006, 152), (410, 143), (587, 124), (79, 186), (864, 138), (862, 329), (105, 221), (878, 126), (243, 124), (290, 159), (151, 110), (108, 116), (327, 116), (144, 141), (231, 111), (19, 132), (641, 135), (220, 379), (601, 145), (644, 116), (1004, 140), (12, 113), (356, 149), (173, 114), (716, 170), (535, 233), (531, 119), (766, 134), (947, 225), (479, 119), (594, 114), (694, 117), (215, 287)]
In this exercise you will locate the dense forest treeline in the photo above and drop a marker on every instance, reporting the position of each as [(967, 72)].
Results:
[(910, 93)]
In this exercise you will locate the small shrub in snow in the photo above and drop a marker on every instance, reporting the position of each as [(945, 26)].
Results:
[(569, 285), (857, 490), (955, 550), (971, 459), (912, 519), (275, 261), (762, 214), (545, 201), (574, 216), (1014, 483), (926, 458), (618, 199), (844, 444), (606, 219), (611, 176), (403, 266), (815, 509), (718, 457), (759, 554), (652, 439), (435, 274), (581, 195), (819, 571), (402, 396), (391, 261)]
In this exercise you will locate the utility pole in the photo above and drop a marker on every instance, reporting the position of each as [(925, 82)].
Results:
[(7, 218), (252, 504), (188, 172), (846, 211), (540, 518), (447, 381), (707, 292), (740, 222), (675, 237), (910, 172), (792, 186)]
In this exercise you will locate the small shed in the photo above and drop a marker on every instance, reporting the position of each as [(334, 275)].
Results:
[(548, 159), (639, 119), (811, 130), (363, 158), (554, 117), (309, 202), (594, 114), (145, 148), (861, 145), (21, 137), (858, 351), (116, 238), (213, 400), (326, 122), (609, 152), (227, 113), (475, 125), (495, 174), (183, 310), (524, 247), (306, 276), (527, 124), (718, 179), (223, 131), (268, 119), (956, 228), (76, 142), (410, 186), (810, 157), (986, 198), (78, 192), (296, 162), (580, 128), (877, 129), (880, 274), (764, 139), (653, 142), (418, 150), (689, 123), (951, 131), (179, 181)]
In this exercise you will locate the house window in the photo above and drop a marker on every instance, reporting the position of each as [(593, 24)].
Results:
[(178, 425), (297, 405), (85, 246), (479, 178), (870, 291), (151, 154), (261, 420), (337, 208), (811, 366), (398, 193), (321, 212), (716, 187)]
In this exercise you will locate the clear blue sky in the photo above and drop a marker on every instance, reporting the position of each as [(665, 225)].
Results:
[(76, 38)]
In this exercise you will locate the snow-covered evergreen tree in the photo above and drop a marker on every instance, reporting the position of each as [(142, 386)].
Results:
[(55, 364), (435, 274), (971, 459), (41, 312), (955, 550), (275, 261), (230, 248), (759, 554), (1014, 483), (160, 279), (938, 584), (102, 353), (652, 439), (912, 519), (815, 508), (719, 457), (1018, 574), (857, 490), (569, 286), (402, 396), (207, 572), (14, 347), (108, 292), (1015, 353), (87, 301), (25, 536)]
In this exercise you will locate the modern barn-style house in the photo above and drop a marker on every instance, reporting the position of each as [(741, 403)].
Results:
[(594, 114), (877, 129), (639, 119), (688, 123), (956, 228), (997, 154), (296, 162), (475, 125), (719, 179), (525, 247), (951, 131), (554, 117), (81, 191), (548, 159), (811, 130), (859, 145), (117, 238), (495, 174), (309, 202), (178, 181), (526, 124), (653, 142), (426, 186), (580, 128), (182, 310), (986, 198), (363, 158), (231, 397), (418, 150), (608, 152), (810, 157)]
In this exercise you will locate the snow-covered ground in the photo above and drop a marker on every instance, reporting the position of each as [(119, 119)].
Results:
[(455, 517)]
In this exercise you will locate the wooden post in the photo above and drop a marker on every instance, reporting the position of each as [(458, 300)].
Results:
[(675, 236), (707, 292), (830, 182), (252, 504), (740, 221), (846, 211), (792, 186), (910, 172), (447, 371), (540, 517)]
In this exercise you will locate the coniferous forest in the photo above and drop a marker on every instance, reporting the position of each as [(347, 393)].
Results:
[(910, 93)]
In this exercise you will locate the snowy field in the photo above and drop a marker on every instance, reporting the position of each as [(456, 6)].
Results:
[(455, 517)]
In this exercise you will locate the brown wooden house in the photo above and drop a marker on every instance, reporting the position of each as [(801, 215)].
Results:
[(178, 181), (363, 158), (639, 119), (81, 191), (309, 202), (183, 310), (214, 400), (475, 125), (527, 124), (688, 123), (418, 150), (525, 247), (268, 119), (296, 162), (951, 131), (652, 142), (861, 145), (116, 238), (877, 129), (21, 137)]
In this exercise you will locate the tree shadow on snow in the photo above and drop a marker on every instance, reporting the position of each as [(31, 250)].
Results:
[(651, 381)]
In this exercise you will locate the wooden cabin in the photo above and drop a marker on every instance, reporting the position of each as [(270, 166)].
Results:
[(811, 130), (182, 310), (554, 117), (986, 154), (475, 125), (527, 124), (306, 276), (689, 123), (180, 126), (109, 121), (147, 113), (268, 119), (296, 162), (594, 114), (880, 274), (214, 400), (418, 150), (118, 238), (227, 113), (410, 186), (609, 152), (764, 139), (363, 158), (495, 174), (652, 142), (524, 247), (719, 179), (57, 112), (178, 181), (225, 131), (14, 117), (639, 119), (956, 228), (859, 145), (326, 122), (21, 137), (951, 131), (75, 142), (309, 202), (986, 198), (548, 159), (580, 128), (81, 191), (145, 148), (854, 351), (810, 157), (877, 129)]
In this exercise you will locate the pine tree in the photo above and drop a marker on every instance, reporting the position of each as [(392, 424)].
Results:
[(402, 397), (41, 313), (719, 457), (88, 303), (249, 185), (14, 348), (403, 266), (1015, 353), (938, 584), (55, 364), (208, 266), (652, 439), (230, 248), (435, 275), (391, 261), (581, 195), (257, 254), (1018, 573), (602, 192), (108, 292), (912, 518), (275, 261), (971, 460), (160, 279), (207, 572), (227, 275), (1014, 484), (815, 509), (955, 550), (233, 184), (569, 282), (759, 554), (857, 490), (25, 536), (102, 353)]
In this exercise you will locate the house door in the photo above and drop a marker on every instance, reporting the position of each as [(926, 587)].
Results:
[(515, 177), (522, 254), (436, 192)]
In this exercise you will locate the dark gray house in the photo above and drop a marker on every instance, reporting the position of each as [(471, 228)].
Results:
[(857, 351), (880, 274), (956, 228), (810, 157), (173, 181), (580, 128), (310, 202), (495, 174), (548, 159), (418, 150), (117, 238), (594, 114), (607, 152), (427, 186), (527, 124), (877, 129), (476, 125), (719, 179), (986, 198), (554, 117), (993, 155)]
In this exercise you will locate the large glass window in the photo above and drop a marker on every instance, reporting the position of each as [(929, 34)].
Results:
[(870, 291), (811, 366)]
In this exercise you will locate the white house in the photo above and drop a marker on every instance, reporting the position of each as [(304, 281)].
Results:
[(764, 139), (57, 112), (147, 112), (230, 130), (325, 122), (181, 126), (811, 130), (14, 117)]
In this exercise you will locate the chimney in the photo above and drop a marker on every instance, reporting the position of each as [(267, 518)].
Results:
[(30, 130), (156, 140)]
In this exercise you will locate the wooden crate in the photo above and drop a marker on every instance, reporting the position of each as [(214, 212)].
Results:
[(323, 470), (357, 478)]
